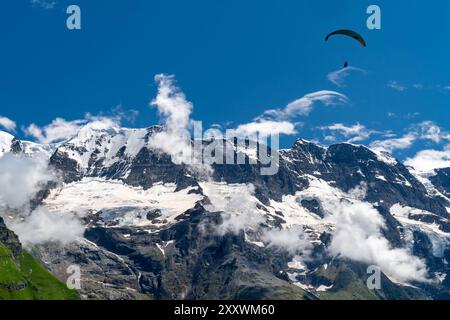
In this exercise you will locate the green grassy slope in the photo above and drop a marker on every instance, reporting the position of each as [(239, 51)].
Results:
[(23, 278), (349, 283)]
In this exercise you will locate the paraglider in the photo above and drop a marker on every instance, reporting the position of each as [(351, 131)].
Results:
[(348, 33)]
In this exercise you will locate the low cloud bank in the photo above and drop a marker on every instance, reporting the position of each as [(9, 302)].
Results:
[(42, 226), (239, 209), (358, 236), (22, 177), (429, 160), (237, 204)]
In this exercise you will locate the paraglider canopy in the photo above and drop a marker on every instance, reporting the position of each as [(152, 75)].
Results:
[(348, 33)]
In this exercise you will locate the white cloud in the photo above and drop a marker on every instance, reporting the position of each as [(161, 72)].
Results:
[(428, 160), (42, 226), (119, 113), (281, 121), (338, 77), (396, 86), (426, 130), (264, 128), (354, 133), (21, 177), (44, 4), (409, 115), (430, 131), (358, 234), (239, 211), (392, 115), (7, 124), (304, 105), (175, 111), (60, 129), (358, 237), (24, 177), (294, 240), (393, 144), (172, 104), (237, 204), (416, 86)]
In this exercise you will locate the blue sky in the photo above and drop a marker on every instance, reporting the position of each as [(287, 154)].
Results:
[(234, 60)]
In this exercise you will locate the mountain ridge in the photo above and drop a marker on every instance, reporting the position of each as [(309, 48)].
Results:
[(161, 243)]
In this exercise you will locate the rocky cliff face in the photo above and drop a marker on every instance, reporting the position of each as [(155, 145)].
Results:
[(442, 181), (154, 230), (9, 240)]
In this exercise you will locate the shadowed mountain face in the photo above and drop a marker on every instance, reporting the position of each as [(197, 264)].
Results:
[(155, 230), (442, 181), (9, 240)]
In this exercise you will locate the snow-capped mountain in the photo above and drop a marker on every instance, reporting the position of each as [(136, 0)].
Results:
[(93, 151), (5, 142), (154, 229), (8, 143)]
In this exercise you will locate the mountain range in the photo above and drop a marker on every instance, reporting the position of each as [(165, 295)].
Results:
[(152, 228)]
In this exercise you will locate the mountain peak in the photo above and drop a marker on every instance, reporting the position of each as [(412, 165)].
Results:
[(302, 141), (5, 136), (5, 142)]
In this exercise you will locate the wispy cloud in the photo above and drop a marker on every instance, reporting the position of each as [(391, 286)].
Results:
[(264, 128), (61, 129), (43, 226), (402, 87), (240, 212), (44, 4), (338, 77), (390, 145), (25, 176), (175, 112), (58, 130), (426, 130), (354, 133), (397, 86), (409, 115), (7, 124), (305, 105), (428, 160), (283, 120)]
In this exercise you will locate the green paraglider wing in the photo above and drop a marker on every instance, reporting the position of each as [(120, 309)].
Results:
[(348, 33)]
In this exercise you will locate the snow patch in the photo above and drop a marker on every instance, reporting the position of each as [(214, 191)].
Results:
[(112, 197), (104, 144), (323, 288), (5, 142)]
